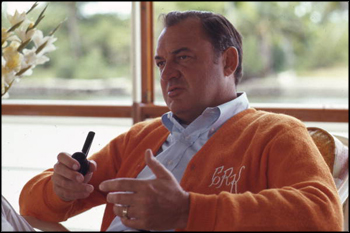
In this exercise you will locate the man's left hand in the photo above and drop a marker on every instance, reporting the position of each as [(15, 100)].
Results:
[(154, 204)]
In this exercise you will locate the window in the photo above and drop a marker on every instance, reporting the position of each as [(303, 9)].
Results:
[(294, 52), (93, 59)]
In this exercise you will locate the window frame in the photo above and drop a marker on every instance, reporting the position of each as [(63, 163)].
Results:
[(143, 86)]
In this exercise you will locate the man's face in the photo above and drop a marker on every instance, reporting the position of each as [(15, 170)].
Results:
[(192, 77)]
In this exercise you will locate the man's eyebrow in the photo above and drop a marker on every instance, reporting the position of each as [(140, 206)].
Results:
[(180, 50), (174, 52), (157, 58)]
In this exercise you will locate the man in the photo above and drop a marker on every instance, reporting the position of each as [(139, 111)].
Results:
[(219, 164)]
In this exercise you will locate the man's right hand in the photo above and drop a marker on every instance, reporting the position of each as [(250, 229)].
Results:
[(68, 183)]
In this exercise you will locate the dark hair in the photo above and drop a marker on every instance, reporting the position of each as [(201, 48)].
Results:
[(221, 33)]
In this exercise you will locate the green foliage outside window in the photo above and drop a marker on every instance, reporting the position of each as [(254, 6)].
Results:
[(278, 37)]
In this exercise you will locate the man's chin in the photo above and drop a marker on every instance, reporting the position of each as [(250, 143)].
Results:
[(183, 114)]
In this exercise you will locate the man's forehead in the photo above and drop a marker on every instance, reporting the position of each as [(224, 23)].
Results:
[(179, 36), (186, 26), (175, 46)]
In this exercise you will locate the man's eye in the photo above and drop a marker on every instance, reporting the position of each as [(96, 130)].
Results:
[(183, 57), (161, 63)]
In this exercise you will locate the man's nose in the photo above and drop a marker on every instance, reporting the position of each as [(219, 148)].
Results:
[(170, 71)]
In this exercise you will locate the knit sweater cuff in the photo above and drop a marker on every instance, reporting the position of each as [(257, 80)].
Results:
[(54, 201)]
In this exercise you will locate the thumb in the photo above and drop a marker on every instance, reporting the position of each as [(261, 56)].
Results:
[(92, 169), (156, 167)]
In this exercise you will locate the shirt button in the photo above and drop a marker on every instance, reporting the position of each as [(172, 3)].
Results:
[(170, 162)]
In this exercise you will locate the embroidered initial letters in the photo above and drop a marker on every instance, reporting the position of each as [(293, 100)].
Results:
[(226, 177)]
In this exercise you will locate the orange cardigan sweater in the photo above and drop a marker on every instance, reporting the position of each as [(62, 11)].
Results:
[(259, 172)]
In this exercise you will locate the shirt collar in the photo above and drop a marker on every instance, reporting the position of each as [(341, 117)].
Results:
[(229, 109), (213, 117)]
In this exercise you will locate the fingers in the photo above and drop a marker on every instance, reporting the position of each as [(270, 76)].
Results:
[(123, 201), (122, 184), (157, 168), (131, 212), (92, 166), (69, 194), (131, 184), (148, 203), (69, 184), (121, 198), (66, 172), (68, 161), (92, 169)]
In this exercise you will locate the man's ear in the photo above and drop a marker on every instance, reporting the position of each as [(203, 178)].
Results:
[(230, 60)]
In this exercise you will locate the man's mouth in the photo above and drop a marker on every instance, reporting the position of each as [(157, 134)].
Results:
[(175, 91)]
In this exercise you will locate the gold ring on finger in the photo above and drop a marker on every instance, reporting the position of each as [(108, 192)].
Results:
[(125, 212)]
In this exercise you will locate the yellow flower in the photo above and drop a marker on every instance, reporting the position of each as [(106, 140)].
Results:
[(17, 60), (12, 57), (7, 78), (5, 35), (3, 81)]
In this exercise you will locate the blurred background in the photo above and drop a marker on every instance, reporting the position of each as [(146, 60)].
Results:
[(294, 52)]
